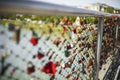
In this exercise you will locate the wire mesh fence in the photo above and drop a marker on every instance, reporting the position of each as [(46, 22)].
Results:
[(49, 51)]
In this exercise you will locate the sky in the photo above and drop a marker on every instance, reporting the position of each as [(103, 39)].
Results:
[(113, 3)]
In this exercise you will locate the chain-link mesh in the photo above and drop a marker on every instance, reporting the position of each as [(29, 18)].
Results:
[(48, 51)]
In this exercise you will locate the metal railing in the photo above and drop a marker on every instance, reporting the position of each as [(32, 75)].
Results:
[(47, 9)]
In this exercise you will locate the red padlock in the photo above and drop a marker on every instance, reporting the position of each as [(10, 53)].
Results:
[(68, 46), (49, 68), (34, 41), (82, 23)]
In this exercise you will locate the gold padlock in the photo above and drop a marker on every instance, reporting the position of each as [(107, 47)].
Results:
[(16, 35)]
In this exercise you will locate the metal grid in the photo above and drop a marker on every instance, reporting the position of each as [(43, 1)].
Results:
[(70, 48), (108, 41)]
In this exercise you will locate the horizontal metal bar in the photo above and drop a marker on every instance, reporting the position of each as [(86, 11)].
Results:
[(42, 8)]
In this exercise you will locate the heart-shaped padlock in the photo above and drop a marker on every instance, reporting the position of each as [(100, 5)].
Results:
[(49, 68)]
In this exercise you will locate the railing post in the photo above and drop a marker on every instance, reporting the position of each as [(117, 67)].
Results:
[(99, 45), (116, 33)]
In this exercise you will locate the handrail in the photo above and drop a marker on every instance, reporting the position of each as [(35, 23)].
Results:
[(43, 8), (49, 9)]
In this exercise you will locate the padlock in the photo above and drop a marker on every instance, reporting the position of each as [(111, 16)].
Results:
[(30, 68), (68, 64), (67, 53), (60, 48), (87, 55), (64, 21), (83, 59), (58, 63), (34, 34), (13, 71), (86, 21), (80, 61), (62, 34), (57, 41), (67, 75), (52, 77), (11, 27), (64, 41), (33, 41), (40, 55), (49, 68), (80, 45), (50, 30), (68, 46), (79, 51), (83, 71), (73, 68), (4, 55), (89, 70), (80, 31), (89, 63), (74, 51), (82, 23), (75, 30), (70, 59), (74, 78), (16, 36), (34, 38), (63, 66), (64, 31)]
